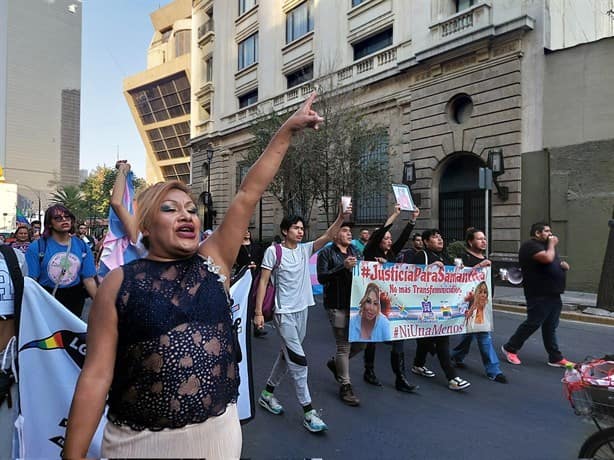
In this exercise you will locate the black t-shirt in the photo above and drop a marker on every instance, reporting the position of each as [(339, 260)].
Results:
[(469, 260), (426, 255), (540, 279)]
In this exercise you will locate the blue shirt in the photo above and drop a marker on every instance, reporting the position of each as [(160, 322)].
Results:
[(69, 268), (380, 333)]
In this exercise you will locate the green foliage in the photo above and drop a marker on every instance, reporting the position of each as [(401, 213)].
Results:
[(323, 165), (71, 197), (456, 249)]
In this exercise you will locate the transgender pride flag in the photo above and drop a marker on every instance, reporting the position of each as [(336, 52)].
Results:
[(116, 248)]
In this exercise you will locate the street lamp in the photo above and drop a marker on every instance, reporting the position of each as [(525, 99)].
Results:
[(409, 179), (497, 166)]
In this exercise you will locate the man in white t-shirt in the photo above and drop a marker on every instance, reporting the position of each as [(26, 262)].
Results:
[(293, 296)]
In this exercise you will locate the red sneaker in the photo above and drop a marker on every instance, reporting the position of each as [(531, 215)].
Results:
[(562, 363), (512, 358)]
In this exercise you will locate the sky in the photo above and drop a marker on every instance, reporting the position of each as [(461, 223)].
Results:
[(115, 38)]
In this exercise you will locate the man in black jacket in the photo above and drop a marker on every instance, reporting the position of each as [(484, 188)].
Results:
[(335, 264)]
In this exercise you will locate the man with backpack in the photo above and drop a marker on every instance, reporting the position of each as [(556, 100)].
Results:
[(293, 296), (13, 263), (61, 263)]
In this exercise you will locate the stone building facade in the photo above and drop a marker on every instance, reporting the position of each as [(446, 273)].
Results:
[(451, 80)]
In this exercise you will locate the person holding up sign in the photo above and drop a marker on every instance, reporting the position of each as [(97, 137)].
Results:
[(381, 249)]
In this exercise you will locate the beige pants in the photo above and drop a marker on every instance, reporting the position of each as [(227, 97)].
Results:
[(216, 438)]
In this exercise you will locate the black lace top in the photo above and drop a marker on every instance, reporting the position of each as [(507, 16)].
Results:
[(176, 361)]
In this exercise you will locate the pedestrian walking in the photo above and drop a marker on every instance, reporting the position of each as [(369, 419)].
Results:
[(380, 248), (335, 265), (543, 281), (474, 256), (434, 254), (293, 297), (160, 333), (62, 263)]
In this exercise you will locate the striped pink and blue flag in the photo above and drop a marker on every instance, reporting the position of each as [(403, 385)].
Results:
[(116, 248)]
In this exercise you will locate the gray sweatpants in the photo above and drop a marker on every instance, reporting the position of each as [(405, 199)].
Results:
[(292, 328)]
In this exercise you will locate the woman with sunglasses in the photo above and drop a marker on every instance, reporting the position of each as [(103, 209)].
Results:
[(62, 263)]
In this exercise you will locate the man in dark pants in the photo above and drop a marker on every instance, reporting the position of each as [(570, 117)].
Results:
[(543, 276), (335, 265)]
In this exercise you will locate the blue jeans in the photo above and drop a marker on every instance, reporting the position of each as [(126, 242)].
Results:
[(489, 355), (545, 312)]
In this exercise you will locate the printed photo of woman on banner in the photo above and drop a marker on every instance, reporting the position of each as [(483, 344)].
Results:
[(476, 320), (370, 324)]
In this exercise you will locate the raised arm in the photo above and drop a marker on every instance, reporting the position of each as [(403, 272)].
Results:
[(117, 201), (406, 233), (224, 243), (330, 233), (95, 378)]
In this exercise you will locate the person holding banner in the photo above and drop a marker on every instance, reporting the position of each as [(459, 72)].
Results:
[(335, 265), (160, 333), (380, 248), (434, 254), (474, 257)]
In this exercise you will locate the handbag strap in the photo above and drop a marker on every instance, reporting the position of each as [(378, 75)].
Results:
[(63, 272)]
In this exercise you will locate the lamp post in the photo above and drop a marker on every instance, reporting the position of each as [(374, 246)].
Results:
[(409, 179)]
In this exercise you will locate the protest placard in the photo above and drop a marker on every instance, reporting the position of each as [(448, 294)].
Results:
[(400, 301)]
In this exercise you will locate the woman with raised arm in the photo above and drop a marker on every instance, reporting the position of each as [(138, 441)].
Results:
[(160, 334)]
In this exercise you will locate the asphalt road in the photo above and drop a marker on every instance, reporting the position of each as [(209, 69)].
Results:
[(526, 419)]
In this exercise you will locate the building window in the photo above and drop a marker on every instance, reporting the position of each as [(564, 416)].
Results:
[(242, 169), (299, 21), (164, 99), (209, 69), (373, 44), (248, 51), (300, 76), (179, 171), (356, 2), (464, 4), (248, 99), (370, 204), (170, 141), (246, 5), (182, 42)]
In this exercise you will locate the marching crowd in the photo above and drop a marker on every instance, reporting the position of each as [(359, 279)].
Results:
[(163, 352)]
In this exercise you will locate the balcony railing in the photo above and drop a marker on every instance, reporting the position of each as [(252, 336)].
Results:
[(367, 67), (204, 30), (473, 18)]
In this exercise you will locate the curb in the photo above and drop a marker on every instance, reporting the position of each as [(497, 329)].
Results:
[(568, 315)]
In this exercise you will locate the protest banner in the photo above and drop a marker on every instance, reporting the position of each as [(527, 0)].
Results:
[(400, 301)]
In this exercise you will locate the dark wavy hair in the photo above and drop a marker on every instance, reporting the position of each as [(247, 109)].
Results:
[(53, 211)]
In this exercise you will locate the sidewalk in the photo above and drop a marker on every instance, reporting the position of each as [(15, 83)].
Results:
[(577, 306)]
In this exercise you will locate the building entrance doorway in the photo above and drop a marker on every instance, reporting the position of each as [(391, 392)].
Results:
[(461, 202)]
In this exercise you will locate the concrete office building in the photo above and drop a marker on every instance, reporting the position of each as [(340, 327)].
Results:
[(40, 81), (453, 80), (159, 97)]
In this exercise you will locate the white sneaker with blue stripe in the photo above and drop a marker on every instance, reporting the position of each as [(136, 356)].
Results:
[(313, 422)]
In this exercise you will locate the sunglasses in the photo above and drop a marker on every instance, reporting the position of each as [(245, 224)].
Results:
[(61, 218)]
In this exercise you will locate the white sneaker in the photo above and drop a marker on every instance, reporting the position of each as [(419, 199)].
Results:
[(458, 384), (270, 403), (313, 422)]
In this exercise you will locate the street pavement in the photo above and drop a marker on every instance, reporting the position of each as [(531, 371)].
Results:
[(526, 419)]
